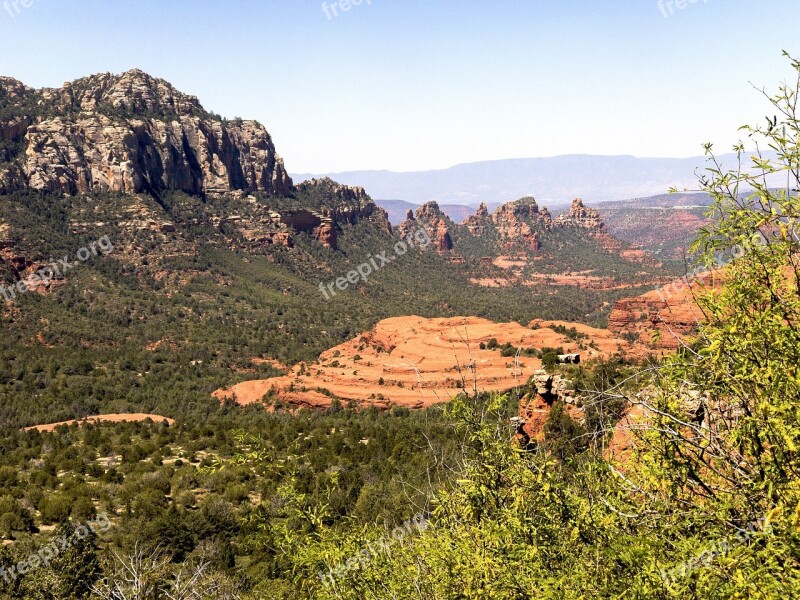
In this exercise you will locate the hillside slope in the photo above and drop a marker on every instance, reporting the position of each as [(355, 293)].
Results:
[(217, 264), (663, 225)]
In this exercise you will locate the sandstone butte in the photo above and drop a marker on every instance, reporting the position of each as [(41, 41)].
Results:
[(416, 362), (111, 418)]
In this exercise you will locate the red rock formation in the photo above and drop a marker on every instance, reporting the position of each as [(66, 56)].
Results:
[(515, 224), (407, 227), (441, 238), (479, 223), (343, 204), (282, 238), (326, 233), (580, 216), (278, 238), (430, 217), (671, 312), (23, 269), (535, 407), (312, 223)]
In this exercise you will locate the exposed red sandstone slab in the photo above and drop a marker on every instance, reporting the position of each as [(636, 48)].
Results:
[(670, 311), (111, 418), (416, 362)]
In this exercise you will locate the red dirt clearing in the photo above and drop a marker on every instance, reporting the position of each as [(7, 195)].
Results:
[(113, 418), (414, 362)]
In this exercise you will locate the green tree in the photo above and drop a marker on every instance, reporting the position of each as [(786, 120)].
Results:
[(549, 361), (708, 503), (55, 508)]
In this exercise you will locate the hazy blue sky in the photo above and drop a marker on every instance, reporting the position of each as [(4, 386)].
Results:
[(420, 84)]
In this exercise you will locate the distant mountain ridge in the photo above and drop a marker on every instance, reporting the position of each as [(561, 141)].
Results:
[(555, 180)]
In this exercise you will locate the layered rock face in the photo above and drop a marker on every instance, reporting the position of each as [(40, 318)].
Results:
[(430, 217), (138, 135), (515, 224), (343, 204), (535, 407), (15, 128), (312, 222), (133, 133), (320, 208), (663, 318), (339, 206), (580, 216), (479, 223)]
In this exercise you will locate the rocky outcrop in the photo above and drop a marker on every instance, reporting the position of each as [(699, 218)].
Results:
[(553, 387), (133, 92), (15, 128), (342, 204), (516, 224), (134, 133), (546, 390), (313, 223), (664, 318), (580, 216), (319, 208), (430, 217), (6, 241), (14, 91), (408, 226), (480, 223), (19, 267)]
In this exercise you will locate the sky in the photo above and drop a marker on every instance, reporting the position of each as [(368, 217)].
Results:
[(426, 84)]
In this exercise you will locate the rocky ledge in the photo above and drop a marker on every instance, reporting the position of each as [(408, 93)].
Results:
[(131, 133)]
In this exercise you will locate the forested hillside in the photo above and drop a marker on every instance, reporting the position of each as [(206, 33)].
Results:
[(151, 273)]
